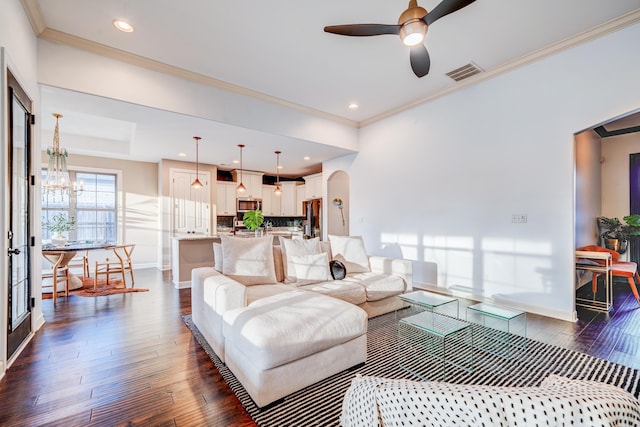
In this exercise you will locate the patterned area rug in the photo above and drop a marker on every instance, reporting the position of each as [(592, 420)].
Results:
[(320, 404)]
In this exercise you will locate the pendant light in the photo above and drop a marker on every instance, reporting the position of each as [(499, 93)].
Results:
[(241, 188), (278, 189), (196, 184)]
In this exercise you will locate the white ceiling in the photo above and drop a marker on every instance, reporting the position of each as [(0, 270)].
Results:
[(278, 48)]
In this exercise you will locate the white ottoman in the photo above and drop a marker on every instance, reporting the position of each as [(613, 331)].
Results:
[(283, 343)]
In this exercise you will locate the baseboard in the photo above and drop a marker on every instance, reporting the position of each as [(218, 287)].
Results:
[(39, 323), (182, 285)]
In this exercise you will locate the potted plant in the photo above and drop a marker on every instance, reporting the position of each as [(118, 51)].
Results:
[(59, 224), (253, 220), (616, 234)]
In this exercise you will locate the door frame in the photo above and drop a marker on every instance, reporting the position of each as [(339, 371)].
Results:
[(23, 331), (37, 319)]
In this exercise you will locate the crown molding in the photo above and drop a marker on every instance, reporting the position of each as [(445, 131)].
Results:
[(608, 27), (161, 67), (32, 9)]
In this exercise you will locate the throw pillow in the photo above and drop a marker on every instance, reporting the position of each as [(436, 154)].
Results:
[(351, 252), (295, 247), (338, 270), (248, 260), (217, 256), (311, 268)]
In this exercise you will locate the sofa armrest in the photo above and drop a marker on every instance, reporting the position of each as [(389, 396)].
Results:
[(222, 293), (393, 266)]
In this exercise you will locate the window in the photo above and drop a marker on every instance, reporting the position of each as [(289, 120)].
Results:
[(94, 209)]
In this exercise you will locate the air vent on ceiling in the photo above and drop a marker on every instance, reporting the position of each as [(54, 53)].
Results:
[(464, 72)]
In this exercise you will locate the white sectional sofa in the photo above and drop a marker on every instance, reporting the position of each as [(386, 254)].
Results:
[(277, 319), (558, 401)]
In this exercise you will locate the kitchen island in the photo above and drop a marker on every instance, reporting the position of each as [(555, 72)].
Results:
[(189, 251)]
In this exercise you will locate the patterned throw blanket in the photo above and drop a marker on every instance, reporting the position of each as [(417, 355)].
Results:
[(558, 401)]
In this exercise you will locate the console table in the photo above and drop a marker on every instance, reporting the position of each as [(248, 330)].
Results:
[(596, 262)]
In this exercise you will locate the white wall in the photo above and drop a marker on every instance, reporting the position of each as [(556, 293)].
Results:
[(457, 168), (18, 53)]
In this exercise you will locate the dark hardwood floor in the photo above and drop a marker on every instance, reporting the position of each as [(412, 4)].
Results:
[(116, 360), (129, 360)]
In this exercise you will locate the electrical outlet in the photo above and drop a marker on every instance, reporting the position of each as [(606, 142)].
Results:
[(518, 218)]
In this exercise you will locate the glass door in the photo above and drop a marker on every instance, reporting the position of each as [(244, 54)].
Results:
[(19, 302)]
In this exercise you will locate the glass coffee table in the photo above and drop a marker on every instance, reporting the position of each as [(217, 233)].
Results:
[(429, 343), (498, 330), (427, 301)]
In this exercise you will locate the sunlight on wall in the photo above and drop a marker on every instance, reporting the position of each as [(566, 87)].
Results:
[(486, 266), (454, 256), (511, 264)]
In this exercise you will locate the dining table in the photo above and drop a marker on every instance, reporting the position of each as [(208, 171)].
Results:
[(60, 257)]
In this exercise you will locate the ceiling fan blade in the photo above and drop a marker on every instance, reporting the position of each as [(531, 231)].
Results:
[(420, 61), (363, 29), (444, 8)]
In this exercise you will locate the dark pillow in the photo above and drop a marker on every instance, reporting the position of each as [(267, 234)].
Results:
[(338, 270)]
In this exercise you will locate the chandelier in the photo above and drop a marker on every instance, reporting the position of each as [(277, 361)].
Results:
[(57, 178)]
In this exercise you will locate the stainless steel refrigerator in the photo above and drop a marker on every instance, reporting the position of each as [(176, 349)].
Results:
[(312, 224)]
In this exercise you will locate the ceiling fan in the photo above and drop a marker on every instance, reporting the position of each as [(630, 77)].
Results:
[(412, 27)]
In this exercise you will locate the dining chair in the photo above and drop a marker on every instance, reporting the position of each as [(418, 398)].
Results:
[(626, 269), (59, 271), (118, 265)]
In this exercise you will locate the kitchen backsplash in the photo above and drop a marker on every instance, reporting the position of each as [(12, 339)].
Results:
[(276, 221)]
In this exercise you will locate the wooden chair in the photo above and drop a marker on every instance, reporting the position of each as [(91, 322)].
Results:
[(626, 269), (59, 270), (120, 265)]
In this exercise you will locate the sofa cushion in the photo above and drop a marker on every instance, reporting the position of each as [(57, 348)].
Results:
[(312, 268), (341, 289), (350, 251), (257, 292), (295, 247), (248, 260), (378, 285), (403, 402), (217, 256), (282, 328)]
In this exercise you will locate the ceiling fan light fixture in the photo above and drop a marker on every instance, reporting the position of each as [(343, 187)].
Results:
[(412, 33)]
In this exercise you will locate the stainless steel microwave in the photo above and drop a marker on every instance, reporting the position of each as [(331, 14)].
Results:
[(244, 205)]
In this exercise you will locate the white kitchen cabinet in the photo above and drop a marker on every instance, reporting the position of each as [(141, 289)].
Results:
[(270, 201), (226, 198), (190, 213), (300, 196), (252, 181), (288, 199), (313, 186)]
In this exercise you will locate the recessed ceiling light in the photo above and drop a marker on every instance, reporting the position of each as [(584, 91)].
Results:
[(353, 106), (182, 154), (123, 26), (236, 161), (307, 158), (280, 166)]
